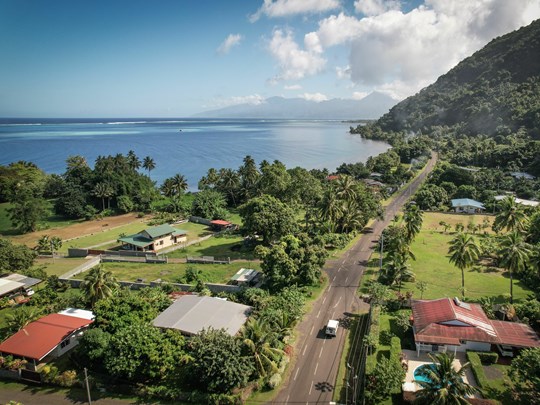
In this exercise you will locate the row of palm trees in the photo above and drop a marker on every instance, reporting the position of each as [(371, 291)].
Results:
[(514, 252)]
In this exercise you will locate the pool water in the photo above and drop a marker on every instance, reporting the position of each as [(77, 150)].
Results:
[(417, 372)]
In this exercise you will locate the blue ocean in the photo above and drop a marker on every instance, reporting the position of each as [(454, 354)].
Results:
[(186, 146)]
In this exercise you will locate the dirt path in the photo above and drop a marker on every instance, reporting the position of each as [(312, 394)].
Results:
[(80, 229)]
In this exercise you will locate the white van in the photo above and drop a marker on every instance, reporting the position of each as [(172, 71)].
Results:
[(332, 327)]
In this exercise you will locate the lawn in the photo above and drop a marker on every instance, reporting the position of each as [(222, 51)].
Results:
[(432, 219), (172, 272), (58, 266), (444, 279), (222, 246)]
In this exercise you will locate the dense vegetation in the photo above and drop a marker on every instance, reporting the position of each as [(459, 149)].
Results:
[(495, 91)]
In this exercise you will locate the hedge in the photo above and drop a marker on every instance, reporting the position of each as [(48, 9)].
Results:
[(477, 369), (488, 357), (395, 349)]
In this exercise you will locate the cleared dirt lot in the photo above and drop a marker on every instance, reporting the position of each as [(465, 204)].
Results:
[(78, 230)]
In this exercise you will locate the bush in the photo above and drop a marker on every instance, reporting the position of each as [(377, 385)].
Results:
[(477, 369), (395, 349), (488, 357), (274, 381)]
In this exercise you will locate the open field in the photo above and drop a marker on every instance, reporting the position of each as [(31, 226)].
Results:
[(58, 266), (432, 219), (172, 272), (443, 278), (224, 246)]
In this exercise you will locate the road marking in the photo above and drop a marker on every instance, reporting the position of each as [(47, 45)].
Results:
[(287, 400), (324, 299), (315, 373), (304, 352), (313, 327), (318, 313), (329, 287), (333, 315), (320, 354), (347, 279), (337, 302), (310, 388), (334, 279), (338, 270), (296, 374)]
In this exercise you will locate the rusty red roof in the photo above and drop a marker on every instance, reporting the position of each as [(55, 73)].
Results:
[(220, 222), (516, 334), (40, 337), (447, 321)]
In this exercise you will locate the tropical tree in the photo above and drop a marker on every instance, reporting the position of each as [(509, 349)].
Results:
[(511, 216), (22, 316), (98, 284), (133, 161), (249, 175), (103, 190), (179, 183), (464, 252), (525, 375), (229, 184), (413, 221), (514, 253), (443, 384), (259, 341), (396, 270), (148, 164), (26, 212), (49, 244), (330, 209)]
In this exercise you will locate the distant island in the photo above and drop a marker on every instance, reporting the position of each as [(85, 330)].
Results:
[(370, 107)]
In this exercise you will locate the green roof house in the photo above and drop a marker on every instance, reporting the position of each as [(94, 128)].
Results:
[(467, 206), (154, 238)]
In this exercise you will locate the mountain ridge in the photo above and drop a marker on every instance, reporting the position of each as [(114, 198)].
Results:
[(370, 107)]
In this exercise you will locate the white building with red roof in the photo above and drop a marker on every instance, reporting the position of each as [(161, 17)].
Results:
[(47, 338), (452, 325)]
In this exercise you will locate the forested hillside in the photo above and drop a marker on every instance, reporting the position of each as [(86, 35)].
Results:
[(494, 91)]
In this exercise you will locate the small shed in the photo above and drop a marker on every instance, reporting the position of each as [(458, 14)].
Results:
[(245, 277), (467, 206), (8, 287), (221, 225)]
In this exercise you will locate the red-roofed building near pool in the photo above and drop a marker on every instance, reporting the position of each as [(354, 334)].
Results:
[(47, 338), (456, 326)]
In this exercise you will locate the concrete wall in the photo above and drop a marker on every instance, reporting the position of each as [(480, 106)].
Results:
[(199, 220)]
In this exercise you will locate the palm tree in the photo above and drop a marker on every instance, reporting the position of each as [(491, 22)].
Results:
[(514, 253), (249, 175), (413, 221), (229, 183), (104, 190), (180, 183), (511, 216), (258, 339), (346, 188), (397, 270), (464, 252), (133, 161), (22, 316), (98, 284), (149, 164), (330, 209), (443, 383), (167, 188)]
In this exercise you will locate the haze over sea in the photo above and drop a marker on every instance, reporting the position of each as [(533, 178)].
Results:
[(186, 146)]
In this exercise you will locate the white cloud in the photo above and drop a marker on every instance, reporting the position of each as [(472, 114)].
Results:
[(220, 102), (399, 53), (317, 97), (359, 95), (294, 63), (292, 87), (343, 72), (284, 8), (230, 41), (375, 7)]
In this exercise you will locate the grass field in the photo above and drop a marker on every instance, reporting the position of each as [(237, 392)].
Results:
[(443, 278), (225, 246), (59, 266), (172, 272)]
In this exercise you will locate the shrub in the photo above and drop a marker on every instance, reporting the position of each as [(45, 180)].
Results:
[(476, 367), (274, 381), (67, 379), (395, 349), (488, 357)]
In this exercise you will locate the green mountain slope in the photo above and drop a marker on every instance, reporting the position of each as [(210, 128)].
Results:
[(494, 91)]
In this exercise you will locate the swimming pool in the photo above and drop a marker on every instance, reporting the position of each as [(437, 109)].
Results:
[(417, 372)]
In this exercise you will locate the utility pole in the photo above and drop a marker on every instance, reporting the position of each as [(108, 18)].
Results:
[(382, 249), (87, 386)]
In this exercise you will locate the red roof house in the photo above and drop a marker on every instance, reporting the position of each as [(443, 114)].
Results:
[(52, 336), (446, 324)]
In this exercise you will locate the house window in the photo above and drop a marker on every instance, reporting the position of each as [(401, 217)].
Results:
[(161, 242), (64, 343)]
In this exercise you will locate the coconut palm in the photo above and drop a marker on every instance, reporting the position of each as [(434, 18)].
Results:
[(179, 183), (397, 270), (133, 161), (514, 253), (229, 183), (167, 188), (330, 209), (346, 188), (464, 252), (98, 284), (511, 216), (259, 341), (149, 164), (103, 190), (443, 383), (413, 221)]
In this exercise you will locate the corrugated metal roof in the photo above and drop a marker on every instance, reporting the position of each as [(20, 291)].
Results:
[(516, 334), (27, 281), (220, 222), (7, 286), (466, 202), (136, 240), (190, 314), (159, 230), (443, 321), (39, 338)]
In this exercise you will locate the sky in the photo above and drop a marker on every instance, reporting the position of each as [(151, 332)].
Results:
[(175, 58)]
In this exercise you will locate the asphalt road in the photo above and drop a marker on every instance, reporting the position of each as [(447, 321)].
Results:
[(317, 358)]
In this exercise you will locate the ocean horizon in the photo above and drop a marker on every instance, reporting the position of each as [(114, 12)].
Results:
[(189, 146)]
